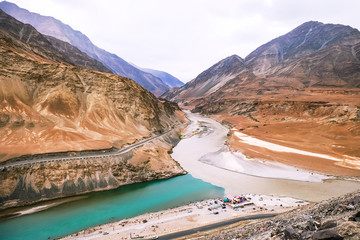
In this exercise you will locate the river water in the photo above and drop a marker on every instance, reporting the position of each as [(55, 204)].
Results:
[(108, 206), (188, 151), (132, 200)]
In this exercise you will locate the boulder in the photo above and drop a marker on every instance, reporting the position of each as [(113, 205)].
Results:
[(327, 234), (328, 224), (291, 234), (349, 230)]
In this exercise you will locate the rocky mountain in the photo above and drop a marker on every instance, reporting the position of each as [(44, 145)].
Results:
[(55, 28), (49, 46), (210, 80), (49, 105), (42, 46), (312, 55), (75, 56)]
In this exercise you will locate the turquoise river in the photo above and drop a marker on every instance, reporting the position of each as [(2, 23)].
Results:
[(108, 206)]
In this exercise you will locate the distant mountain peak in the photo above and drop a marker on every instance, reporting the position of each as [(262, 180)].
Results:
[(211, 79), (310, 24), (234, 57), (224, 64), (308, 38), (167, 78)]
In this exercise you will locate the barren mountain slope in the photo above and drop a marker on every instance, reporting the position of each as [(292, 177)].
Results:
[(208, 81), (314, 54), (48, 105), (55, 28), (75, 56), (46, 46)]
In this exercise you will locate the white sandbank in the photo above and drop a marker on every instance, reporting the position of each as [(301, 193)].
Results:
[(238, 162), (279, 148)]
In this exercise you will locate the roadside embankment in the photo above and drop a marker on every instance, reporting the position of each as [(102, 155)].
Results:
[(33, 182)]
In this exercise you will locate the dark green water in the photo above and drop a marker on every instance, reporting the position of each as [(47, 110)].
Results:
[(108, 206)]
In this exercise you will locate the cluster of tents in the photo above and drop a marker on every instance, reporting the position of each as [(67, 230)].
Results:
[(235, 200)]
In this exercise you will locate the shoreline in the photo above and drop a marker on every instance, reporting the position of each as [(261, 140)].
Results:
[(185, 217)]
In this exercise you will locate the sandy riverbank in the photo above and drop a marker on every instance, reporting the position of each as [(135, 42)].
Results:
[(184, 217)]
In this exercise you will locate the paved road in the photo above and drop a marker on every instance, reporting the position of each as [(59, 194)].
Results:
[(212, 226), (95, 155)]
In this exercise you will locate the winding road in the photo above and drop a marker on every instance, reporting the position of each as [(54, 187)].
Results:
[(95, 155), (212, 226)]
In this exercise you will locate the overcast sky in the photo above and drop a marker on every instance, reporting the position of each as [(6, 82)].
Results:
[(185, 37)]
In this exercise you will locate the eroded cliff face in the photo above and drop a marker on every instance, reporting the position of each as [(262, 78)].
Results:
[(30, 183)]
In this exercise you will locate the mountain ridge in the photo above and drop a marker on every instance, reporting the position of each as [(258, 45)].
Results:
[(55, 28), (167, 78), (308, 38), (313, 54), (209, 80)]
